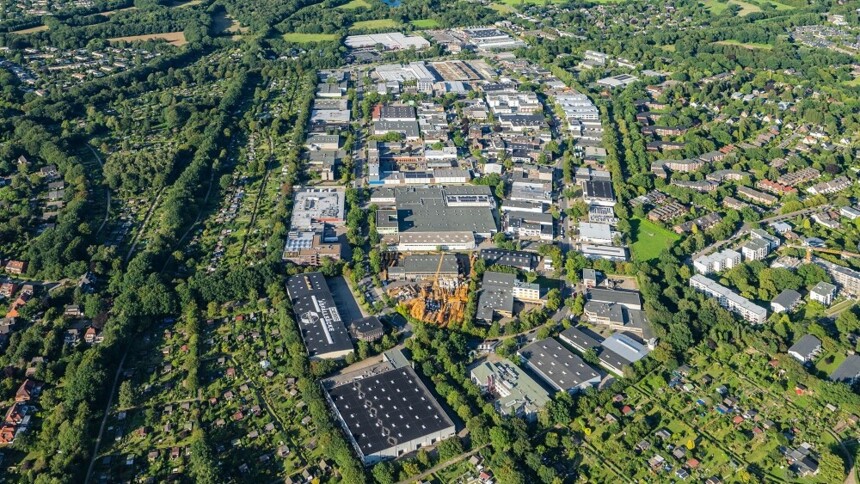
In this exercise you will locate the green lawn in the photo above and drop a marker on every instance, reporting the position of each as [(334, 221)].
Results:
[(383, 23), (716, 7), (502, 8), (839, 307), (516, 3), (650, 239), (779, 6), (354, 4), (827, 368), (746, 45), (425, 23), (853, 82), (308, 38)]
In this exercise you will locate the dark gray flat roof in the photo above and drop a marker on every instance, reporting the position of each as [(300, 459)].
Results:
[(512, 258), (787, 298), (319, 321), (848, 371), (557, 365), (384, 410), (629, 299), (581, 337), (806, 345)]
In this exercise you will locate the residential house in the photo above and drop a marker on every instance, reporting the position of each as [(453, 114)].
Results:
[(823, 292), (16, 267), (805, 349), (786, 301)]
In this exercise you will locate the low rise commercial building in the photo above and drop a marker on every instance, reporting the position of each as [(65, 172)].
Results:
[(514, 392), (525, 261), (619, 352), (499, 290), (320, 324), (615, 254), (367, 329), (558, 366), (388, 40), (418, 267), (386, 411), (594, 233), (598, 192), (628, 299)]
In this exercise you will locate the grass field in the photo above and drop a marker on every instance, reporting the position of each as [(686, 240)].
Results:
[(514, 3), (780, 6), (382, 23), (826, 367), (717, 7), (668, 48), (746, 45), (839, 307), (354, 4), (299, 38), (223, 23), (502, 8), (189, 3), (31, 30), (425, 23), (650, 239), (173, 38), (853, 82), (113, 12)]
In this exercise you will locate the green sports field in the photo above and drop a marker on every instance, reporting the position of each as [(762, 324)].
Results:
[(650, 239), (309, 38)]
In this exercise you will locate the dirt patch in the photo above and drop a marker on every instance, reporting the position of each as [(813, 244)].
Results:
[(223, 23), (173, 38), (31, 30), (190, 3), (114, 12)]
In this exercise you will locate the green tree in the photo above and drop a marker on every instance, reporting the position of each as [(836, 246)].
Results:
[(126, 394)]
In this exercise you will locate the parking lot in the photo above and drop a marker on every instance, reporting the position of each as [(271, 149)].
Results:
[(346, 304)]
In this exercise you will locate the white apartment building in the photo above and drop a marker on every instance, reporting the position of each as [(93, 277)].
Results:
[(729, 299), (716, 262)]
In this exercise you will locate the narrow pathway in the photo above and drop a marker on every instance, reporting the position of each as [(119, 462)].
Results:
[(260, 196), (107, 190), (137, 234), (438, 467), (196, 220), (104, 419)]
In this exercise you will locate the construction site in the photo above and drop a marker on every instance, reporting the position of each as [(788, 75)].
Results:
[(431, 287)]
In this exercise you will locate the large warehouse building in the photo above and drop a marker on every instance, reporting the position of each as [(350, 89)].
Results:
[(429, 218), (387, 411), (322, 328)]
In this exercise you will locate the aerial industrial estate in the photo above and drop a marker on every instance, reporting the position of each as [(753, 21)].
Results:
[(441, 242)]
